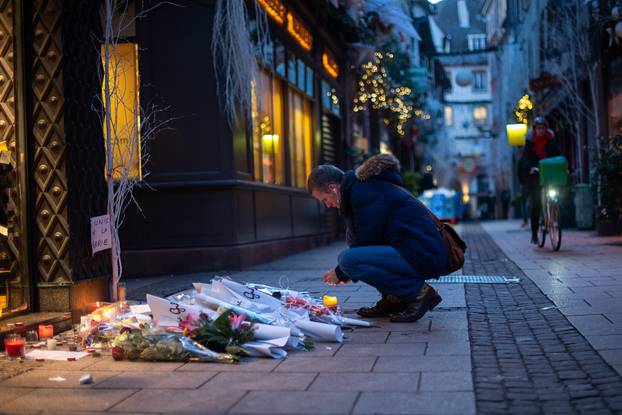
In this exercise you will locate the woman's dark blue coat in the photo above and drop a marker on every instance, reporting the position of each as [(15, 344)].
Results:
[(379, 211)]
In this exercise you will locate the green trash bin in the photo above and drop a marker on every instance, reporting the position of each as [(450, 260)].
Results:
[(554, 171)]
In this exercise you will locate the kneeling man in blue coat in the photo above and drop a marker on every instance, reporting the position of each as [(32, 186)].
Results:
[(394, 245)]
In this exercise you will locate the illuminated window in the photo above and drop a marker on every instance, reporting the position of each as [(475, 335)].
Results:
[(124, 110), (480, 115), (330, 99), (300, 137), (267, 126), (449, 115)]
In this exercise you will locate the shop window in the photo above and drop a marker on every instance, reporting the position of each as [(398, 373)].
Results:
[(267, 128), (279, 58), (300, 137), (124, 110), (291, 68), (330, 99), (309, 85), (300, 80)]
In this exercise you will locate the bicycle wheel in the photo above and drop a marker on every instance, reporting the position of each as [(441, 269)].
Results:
[(543, 232), (554, 226)]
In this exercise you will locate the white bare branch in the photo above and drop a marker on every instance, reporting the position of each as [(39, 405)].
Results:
[(128, 126)]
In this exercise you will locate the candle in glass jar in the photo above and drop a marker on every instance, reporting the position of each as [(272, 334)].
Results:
[(46, 331), (14, 346), (330, 301), (51, 343)]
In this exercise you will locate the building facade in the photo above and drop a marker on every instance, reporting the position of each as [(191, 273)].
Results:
[(471, 161), (564, 59)]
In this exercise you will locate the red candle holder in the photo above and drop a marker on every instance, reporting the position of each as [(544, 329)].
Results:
[(46, 331), (97, 305), (15, 346)]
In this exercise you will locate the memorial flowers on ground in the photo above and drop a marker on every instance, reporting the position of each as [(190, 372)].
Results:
[(222, 321)]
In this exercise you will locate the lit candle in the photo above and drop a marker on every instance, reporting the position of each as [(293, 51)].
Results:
[(46, 331), (14, 346), (330, 301)]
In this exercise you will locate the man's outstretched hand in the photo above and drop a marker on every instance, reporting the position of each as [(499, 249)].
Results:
[(330, 278)]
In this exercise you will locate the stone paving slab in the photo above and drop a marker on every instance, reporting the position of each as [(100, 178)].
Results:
[(319, 350), (259, 402), (364, 336), (248, 365), (262, 381), (207, 401), (367, 382), (124, 366), (431, 337), (423, 364), (147, 380), (447, 381), (333, 364), (458, 403), (10, 393), (80, 364), (41, 379), (54, 399), (414, 350)]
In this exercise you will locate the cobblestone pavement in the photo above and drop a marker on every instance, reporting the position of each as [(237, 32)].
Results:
[(527, 356), (583, 280), (497, 349)]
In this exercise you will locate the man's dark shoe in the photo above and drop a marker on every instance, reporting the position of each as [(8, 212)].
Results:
[(534, 240), (427, 299), (387, 305)]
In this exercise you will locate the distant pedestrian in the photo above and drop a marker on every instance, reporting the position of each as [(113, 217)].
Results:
[(394, 245), (540, 144)]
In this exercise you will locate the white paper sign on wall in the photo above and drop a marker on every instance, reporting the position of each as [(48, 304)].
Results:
[(101, 238)]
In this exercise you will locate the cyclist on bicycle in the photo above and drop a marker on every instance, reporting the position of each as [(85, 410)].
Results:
[(540, 144)]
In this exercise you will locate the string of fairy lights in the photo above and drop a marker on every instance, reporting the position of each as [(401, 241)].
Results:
[(523, 108), (375, 91)]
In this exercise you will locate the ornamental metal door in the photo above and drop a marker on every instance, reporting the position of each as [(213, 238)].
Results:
[(14, 276)]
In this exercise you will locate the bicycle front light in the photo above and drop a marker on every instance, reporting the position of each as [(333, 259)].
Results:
[(552, 193)]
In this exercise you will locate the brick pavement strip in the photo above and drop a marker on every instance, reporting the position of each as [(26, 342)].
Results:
[(527, 356)]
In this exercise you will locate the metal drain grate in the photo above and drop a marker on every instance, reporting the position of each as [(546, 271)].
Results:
[(475, 279)]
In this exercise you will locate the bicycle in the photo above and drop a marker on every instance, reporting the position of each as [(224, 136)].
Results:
[(551, 220)]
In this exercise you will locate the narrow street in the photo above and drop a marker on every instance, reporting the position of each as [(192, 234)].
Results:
[(549, 344)]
